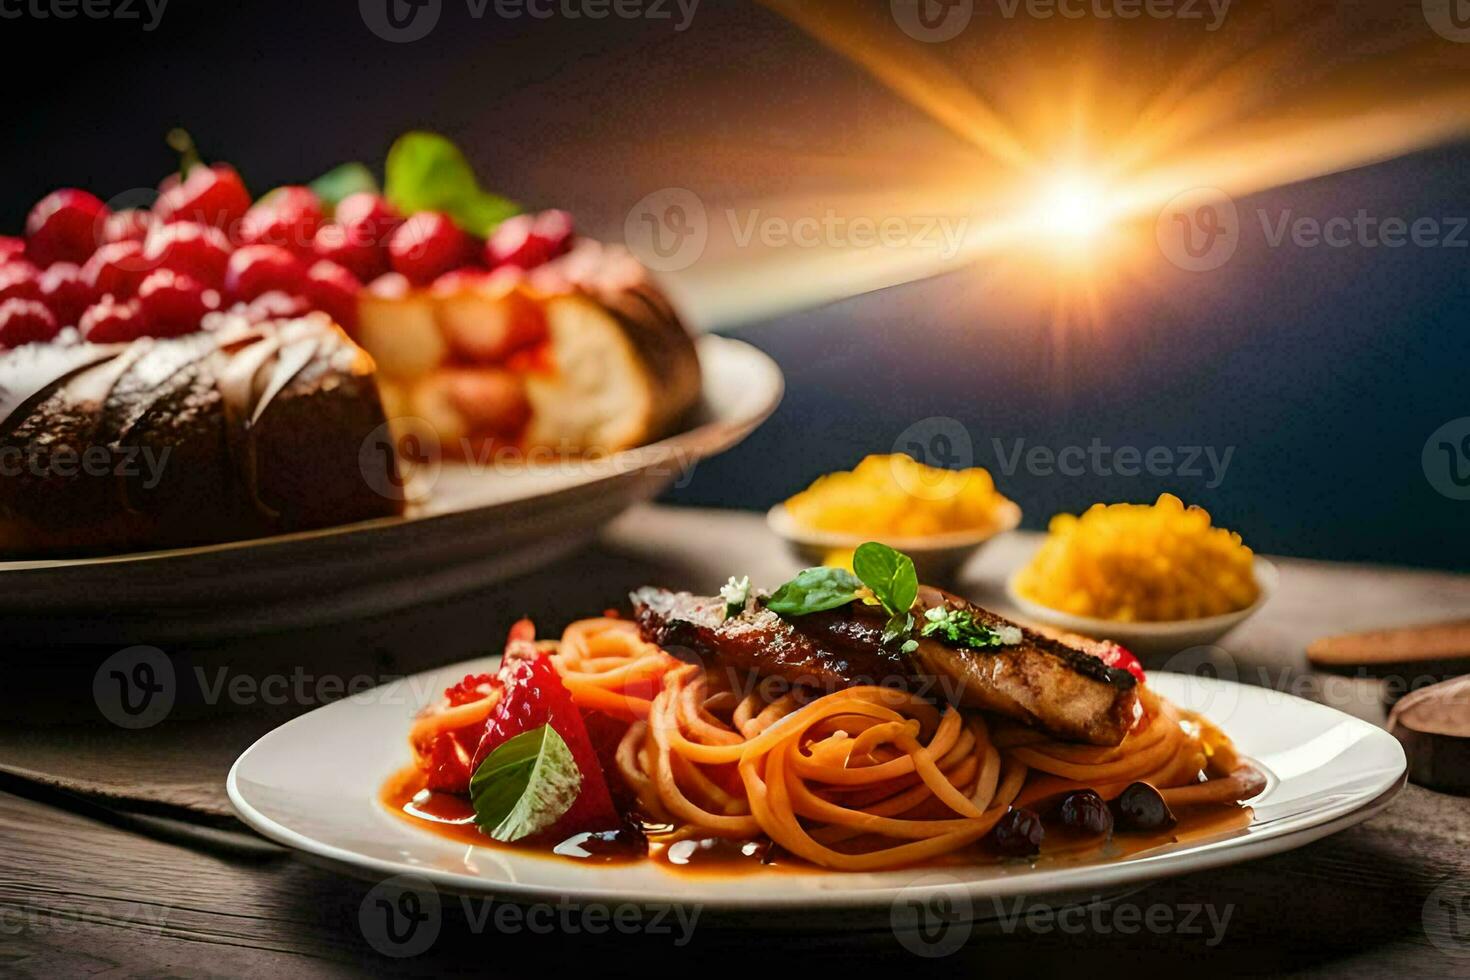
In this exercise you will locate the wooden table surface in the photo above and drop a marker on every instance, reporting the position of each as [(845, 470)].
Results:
[(87, 889)]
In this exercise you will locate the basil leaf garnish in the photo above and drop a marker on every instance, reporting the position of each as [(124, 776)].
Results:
[(814, 590), (426, 172), (525, 785), (889, 574)]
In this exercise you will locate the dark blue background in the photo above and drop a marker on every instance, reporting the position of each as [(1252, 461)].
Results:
[(1325, 368)]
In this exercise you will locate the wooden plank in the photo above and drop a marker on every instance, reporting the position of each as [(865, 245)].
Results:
[(79, 897)]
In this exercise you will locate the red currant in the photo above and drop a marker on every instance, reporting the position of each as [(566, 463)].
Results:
[(115, 269), (19, 280), (212, 195), (288, 217), (65, 293), (130, 225), (198, 250), (173, 303), (529, 240), (110, 321), (333, 289), (257, 269), (24, 321), (426, 246), (65, 226)]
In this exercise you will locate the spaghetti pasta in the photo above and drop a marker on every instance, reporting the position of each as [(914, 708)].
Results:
[(864, 778)]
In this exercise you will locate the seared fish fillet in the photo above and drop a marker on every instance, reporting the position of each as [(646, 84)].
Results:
[(1058, 688)]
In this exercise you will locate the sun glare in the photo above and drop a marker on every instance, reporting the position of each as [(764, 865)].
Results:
[(1072, 209)]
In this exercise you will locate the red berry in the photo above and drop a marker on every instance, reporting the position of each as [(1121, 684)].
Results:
[(110, 321), (529, 240), (257, 269), (11, 248), (66, 226), (197, 250), (333, 289), (340, 244), (428, 245), (212, 195), (288, 217), (534, 695), (65, 292), (367, 221), (276, 305), (115, 269), (369, 211), (173, 303), (130, 225), (19, 280), (24, 321)]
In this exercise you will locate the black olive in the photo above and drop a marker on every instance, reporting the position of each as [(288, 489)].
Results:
[(1141, 807), (1084, 812), (1019, 833)]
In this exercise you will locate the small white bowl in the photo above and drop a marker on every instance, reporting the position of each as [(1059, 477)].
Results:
[(1151, 642), (937, 557)]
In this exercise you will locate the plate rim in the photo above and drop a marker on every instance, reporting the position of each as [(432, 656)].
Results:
[(1132, 871)]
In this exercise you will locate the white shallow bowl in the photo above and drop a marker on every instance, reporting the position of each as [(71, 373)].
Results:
[(313, 785), (478, 525), (936, 556), (1151, 642)]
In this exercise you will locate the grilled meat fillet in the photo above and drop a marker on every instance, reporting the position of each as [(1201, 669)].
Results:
[(1058, 688)]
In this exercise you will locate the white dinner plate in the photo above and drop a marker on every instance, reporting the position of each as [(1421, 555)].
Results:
[(475, 526), (313, 785)]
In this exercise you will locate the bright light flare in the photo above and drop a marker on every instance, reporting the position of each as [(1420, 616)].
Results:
[(1072, 209)]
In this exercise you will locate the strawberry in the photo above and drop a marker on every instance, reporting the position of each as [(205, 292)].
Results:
[(449, 752), (535, 696)]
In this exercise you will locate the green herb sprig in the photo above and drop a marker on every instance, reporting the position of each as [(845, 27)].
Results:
[(959, 627), (886, 574)]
